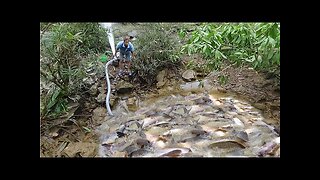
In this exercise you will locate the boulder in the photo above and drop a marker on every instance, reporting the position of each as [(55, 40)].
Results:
[(189, 75)]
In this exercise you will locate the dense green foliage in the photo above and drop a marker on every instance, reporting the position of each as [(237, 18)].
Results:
[(64, 47), (155, 50), (256, 44)]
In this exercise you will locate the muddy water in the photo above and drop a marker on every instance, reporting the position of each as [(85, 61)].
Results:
[(187, 120)]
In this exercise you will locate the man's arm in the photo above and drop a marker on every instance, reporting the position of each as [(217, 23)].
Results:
[(117, 49)]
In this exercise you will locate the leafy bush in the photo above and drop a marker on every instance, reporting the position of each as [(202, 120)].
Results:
[(257, 44), (155, 51), (62, 50)]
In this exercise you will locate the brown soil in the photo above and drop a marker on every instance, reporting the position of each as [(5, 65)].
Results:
[(258, 88)]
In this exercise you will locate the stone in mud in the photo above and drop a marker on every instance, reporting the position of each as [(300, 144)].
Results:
[(133, 126), (161, 78), (101, 98), (260, 106), (102, 89), (103, 128), (189, 75), (112, 101), (99, 114), (222, 90), (123, 87), (84, 149), (93, 90), (131, 103), (170, 74)]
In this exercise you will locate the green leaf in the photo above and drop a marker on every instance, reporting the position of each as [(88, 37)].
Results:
[(259, 58), (204, 49), (238, 53), (217, 54), (53, 98), (222, 55), (87, 129), (196, 39), (206, 40), (272, 41), (270, 54), (251, 59), (238, 40)]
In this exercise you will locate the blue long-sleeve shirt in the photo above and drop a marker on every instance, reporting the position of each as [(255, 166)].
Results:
[(122, 48)]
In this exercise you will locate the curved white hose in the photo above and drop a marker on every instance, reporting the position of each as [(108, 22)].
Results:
[(109, 87), (108, 27)]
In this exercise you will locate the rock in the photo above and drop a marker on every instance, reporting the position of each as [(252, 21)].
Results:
[(222, 90), (161, 78), (88, 81), (93, 90), (189, 75), (101, 98), (123, 87), (133, 127), (84, 149), (131, 103), (112, 101), (104, 127), (109, 138), (124, 98), (102, 89), (170, 74), (99, 114), (133, 33), (260, 106)]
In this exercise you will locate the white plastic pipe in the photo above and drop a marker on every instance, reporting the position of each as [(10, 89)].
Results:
[(108, 27), (109, 88)]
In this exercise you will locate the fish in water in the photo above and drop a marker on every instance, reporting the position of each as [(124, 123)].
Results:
[(203, 101), (267, 148), (195, 109)]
